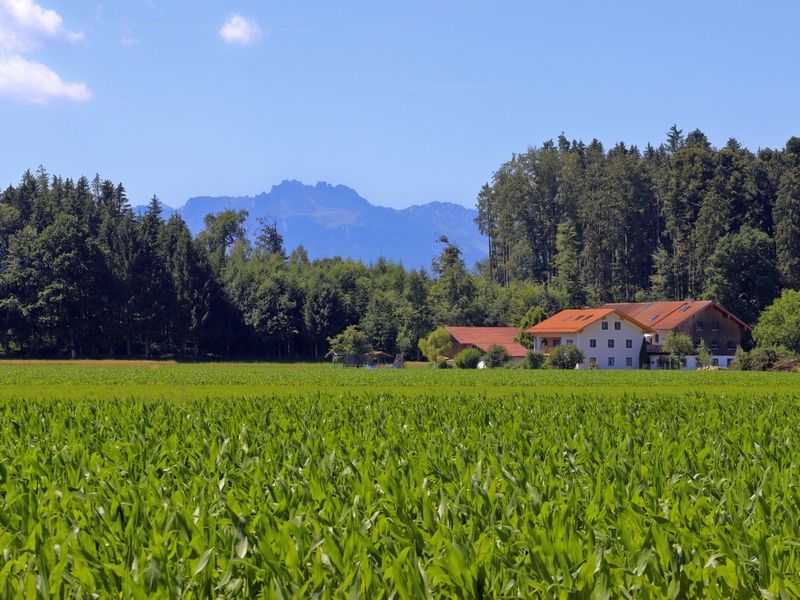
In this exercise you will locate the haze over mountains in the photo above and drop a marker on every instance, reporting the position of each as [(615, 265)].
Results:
[(333, 220)]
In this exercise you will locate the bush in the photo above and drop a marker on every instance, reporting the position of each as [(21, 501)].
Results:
[(534, 360), (565, 357), (468, 358), (437, 343), (703, 355), (495, 357), (350, 341), (741, 360), (679, 345), (441, 363), (765, 359), (779, 324)]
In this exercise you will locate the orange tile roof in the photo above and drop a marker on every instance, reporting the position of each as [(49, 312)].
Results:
[(483, 337), (667, 315), (576, 320)]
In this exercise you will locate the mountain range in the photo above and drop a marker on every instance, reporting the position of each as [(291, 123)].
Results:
[(333, 220)]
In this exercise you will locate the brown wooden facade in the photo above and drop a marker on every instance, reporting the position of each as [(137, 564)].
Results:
[(722, 333)]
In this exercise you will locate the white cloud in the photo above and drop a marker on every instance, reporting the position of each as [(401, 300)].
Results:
[(239, 30), (28, 81), (25, 26), (128, 40)]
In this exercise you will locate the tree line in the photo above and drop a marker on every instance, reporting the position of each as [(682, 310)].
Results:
[(82, 275), (569, 224), (677, 221)]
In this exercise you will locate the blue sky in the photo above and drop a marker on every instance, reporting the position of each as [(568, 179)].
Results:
[(407, 102)]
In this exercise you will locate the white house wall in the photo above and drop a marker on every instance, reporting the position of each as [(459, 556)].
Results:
[(601, 352), (619, 352)]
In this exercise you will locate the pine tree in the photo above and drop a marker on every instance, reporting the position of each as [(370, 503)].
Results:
[(568, 274), (787, 228)]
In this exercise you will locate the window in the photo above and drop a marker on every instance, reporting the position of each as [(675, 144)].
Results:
[(604, 326), (610, 361), (629, 343), (715, 362), (617, 325), (593, 361), (714, 346), (731, 345), (730, 360), (629, 361), (657, 339), (569, 341), (699, 326), (610, 343), (714, 325), (592, 343)]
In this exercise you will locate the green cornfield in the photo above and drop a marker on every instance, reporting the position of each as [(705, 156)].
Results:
[(207, 481)]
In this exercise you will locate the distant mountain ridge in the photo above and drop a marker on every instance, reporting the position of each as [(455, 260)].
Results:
[(333, 220)]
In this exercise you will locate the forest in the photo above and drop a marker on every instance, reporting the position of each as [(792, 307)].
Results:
[(569, 224)]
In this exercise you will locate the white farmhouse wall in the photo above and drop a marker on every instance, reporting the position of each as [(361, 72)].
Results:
[(619, 352), (722, 361), (601, 352)]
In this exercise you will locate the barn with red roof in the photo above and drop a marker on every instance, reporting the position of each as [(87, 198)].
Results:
[(483, 338), (701, 320)]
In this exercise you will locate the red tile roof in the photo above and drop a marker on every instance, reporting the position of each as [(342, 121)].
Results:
[(576, 320), (667, 315), (483, 337)]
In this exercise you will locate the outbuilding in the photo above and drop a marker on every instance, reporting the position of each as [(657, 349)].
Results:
[(483, 338)]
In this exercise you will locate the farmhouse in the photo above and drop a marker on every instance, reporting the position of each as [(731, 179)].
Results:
[(484, 337), (608, 338), (721, 330)]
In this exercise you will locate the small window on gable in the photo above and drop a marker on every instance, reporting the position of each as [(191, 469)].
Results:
[(617, 325), (604, 326), (699, 326), (714, 325)]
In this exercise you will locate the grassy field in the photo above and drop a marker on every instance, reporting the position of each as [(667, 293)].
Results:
[(195, 481)]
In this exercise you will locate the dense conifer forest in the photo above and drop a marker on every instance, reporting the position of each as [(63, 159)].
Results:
[(569, 224)]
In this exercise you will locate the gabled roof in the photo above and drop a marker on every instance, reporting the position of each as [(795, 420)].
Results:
[(483, 337), (576, 320), (667, 315)]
